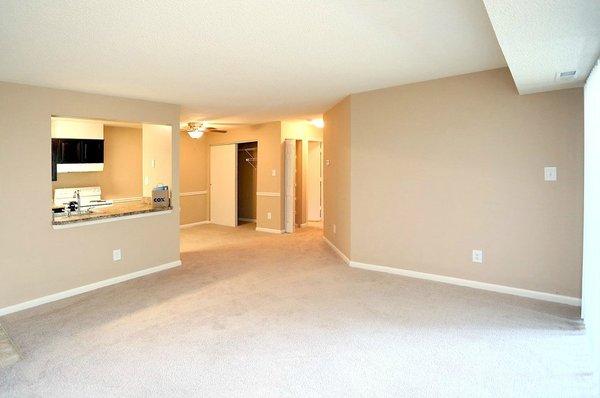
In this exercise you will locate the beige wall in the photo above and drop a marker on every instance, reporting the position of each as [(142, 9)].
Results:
[(157, 158), (268, 136), (122, 174), (336, 175), (443, 167), (193, 166), (38, 260)]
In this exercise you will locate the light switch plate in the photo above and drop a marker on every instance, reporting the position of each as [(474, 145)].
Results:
[(273, 172), (550, 173), (269, 216), (478, 256), (117, 255)]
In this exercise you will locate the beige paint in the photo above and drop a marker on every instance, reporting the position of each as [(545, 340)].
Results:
[(336, 175), (304, 132), (37, 260), (157, 157), (194, 209), (76, 128), (268, 136), (122, 174), (193, 174), (447, 166), (223, 184)]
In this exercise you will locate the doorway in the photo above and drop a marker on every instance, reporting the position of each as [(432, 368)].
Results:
[(314, 181), (246, 182)]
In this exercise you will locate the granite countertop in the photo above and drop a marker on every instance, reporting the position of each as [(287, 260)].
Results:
[(112, 211)]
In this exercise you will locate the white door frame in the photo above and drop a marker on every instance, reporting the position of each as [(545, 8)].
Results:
[(289, 185)]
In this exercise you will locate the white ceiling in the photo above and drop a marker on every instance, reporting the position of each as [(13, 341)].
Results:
[(542, 37), (243, 61)]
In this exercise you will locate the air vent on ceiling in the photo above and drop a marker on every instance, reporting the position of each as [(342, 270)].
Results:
[(566, 76)]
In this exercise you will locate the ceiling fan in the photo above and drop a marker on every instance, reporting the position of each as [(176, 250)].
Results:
[(197, 129)]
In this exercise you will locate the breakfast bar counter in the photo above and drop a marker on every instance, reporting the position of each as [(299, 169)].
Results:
[(114, 211)]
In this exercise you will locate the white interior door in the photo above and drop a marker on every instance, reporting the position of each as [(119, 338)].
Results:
[(290, 184), (314, 181), (223, 185)]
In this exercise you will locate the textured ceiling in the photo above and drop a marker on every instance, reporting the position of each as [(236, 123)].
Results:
[(243, 61), (542, 37)]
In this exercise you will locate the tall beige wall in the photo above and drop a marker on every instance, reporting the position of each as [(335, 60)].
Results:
[(157, 158), (268, 186), (38, 260), (336, 176), (193, 169), (122, 174), (447, 166)]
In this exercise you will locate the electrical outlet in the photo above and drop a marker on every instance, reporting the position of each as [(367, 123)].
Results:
[(334, 229), (117, 255), (327, 162), (274, 173), (268, 215), (550, 173), (478, 256)]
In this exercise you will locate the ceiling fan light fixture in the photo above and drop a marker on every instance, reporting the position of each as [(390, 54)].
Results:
[(196, 133)]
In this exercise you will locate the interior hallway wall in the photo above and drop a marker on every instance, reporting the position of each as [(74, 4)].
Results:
[(157, 159), (443, 167), (38, 260), (122, 174), (193, 166), (336, 176)]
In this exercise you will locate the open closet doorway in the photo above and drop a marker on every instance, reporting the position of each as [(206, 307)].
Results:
[(247, 154)]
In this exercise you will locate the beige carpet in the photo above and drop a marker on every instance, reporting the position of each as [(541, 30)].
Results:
[(254, 314)]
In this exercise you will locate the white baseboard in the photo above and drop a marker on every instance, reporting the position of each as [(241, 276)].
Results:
[(193, 224), (269, 230), (555, 298), (337, 251), (83, 289)]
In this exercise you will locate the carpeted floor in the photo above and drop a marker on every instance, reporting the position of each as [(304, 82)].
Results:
[(253, 314)]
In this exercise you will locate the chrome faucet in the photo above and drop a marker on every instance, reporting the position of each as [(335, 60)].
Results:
[(78, 197)]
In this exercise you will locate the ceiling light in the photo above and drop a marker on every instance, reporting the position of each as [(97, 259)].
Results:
[(196, 133), (318, 123)]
